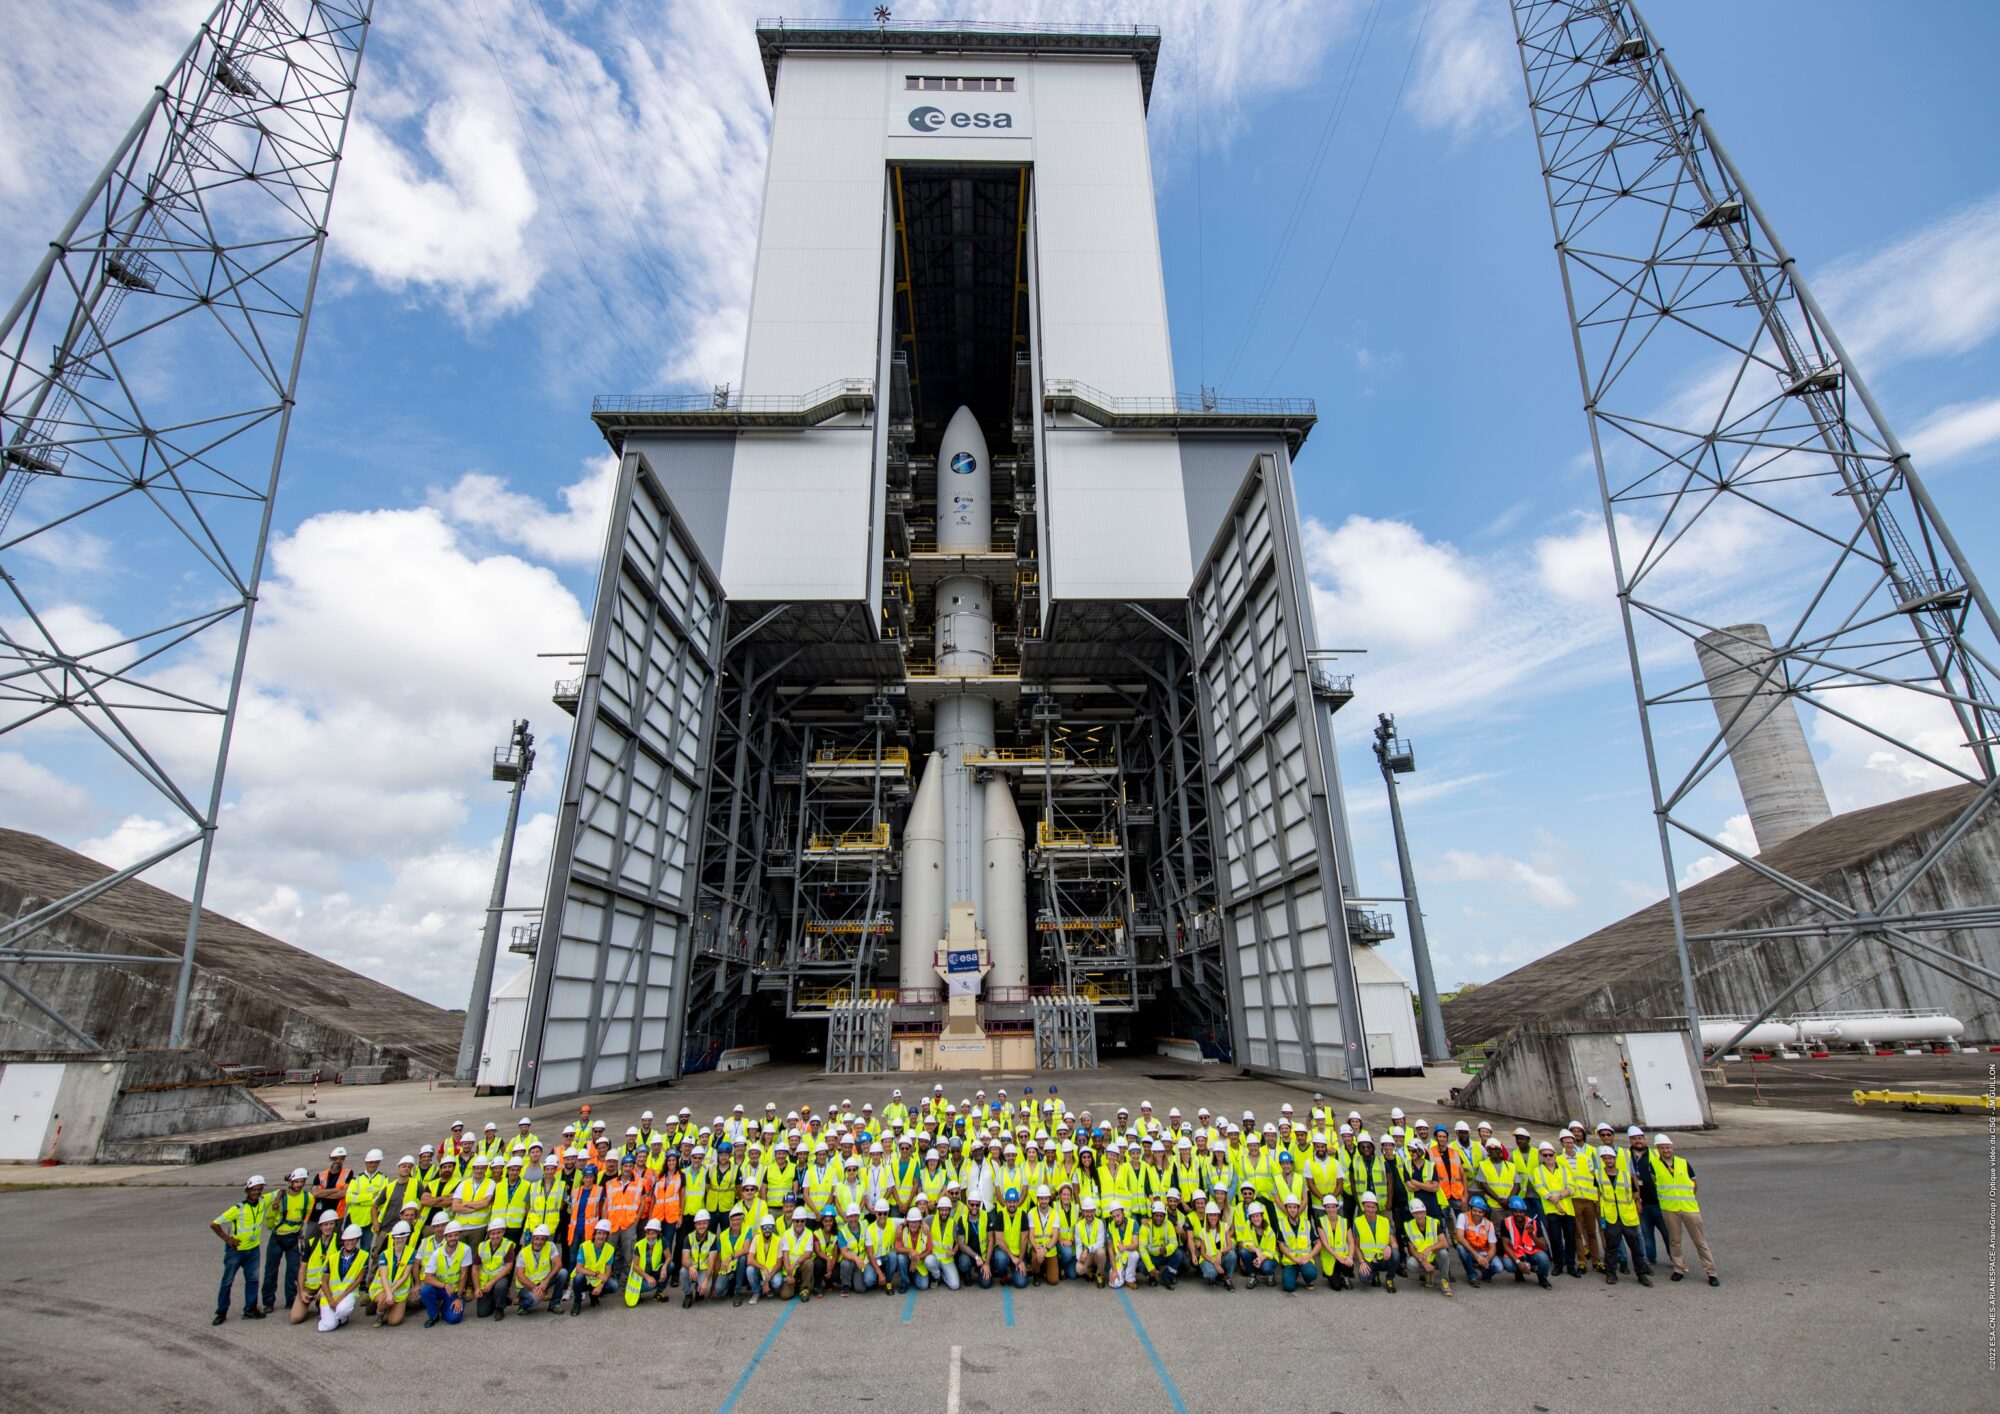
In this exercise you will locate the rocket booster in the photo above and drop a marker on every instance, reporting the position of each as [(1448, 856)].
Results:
[(967, 845)]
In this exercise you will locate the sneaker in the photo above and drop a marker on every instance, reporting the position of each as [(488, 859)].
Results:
[(736, 1297), (755, 1297), (1679, 1276), (1250, 1283), (430, 1321), (220, 1317), (1390, 1283), (499, 1313), (687, 1296), (1227, 1284), (381, 1321), (1645, 1279), (1543, 1282), (255, 1313), (1715, 1281), (1611, 1278), (1445, 1286)]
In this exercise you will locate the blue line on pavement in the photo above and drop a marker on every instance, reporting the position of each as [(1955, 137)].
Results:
[(909, 1305), (1159, 1367), (1007, 1303), (743, 1380)]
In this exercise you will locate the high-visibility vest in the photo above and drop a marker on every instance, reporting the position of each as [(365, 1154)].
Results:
[(364, 1191), (1044, 1225), (1373, 1234), (1289, 1190), (494, 1258), (1477, 1235), (1262, 1175), (245, 1222), (1582, 1167), (288, 1211), (932, 1181), (1617, 1194), (1523, 1236), (1676, 1185), (542, 1206), (399, 1193), (345, 1272), (594, 1260), (1322, 1172), (393, 1276), (1011, 1223), (1333, 1238), (335, 1178), (1160, 1237), (699, 1253), (1369, 1176), (510, 1200), (1260, 1240), (479, 1195), (667, 1191), (766, 1252), (1551, 1182), (649, 1261), (1423, 1232), (623, 1199), (538, 1263), (1499, 1178), (944, 1236), (1450, 1169), (1295, 1238)]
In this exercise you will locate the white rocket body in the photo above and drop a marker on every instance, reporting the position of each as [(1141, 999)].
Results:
[(954, 819)]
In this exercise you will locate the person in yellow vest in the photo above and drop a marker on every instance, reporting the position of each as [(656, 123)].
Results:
[(392, 1289), (1580, 1162), (1162, 1240), (800, 1246), (1336, 1245), (1428, 1246), (321, 1241), (1256, 1242), (1374, 1243), (1087, 1243), (1498, 1179), (1618, 1206), (493, 1270), (1550, 1180), (1298, 1244), (1675, 1180), (447, 1272), (510, 1199), (286, 1214), (594, 1261), (1210, 1249), (344, 1274), (1367, 1172), (700, 1255), (539, 1279), (241, 1228), (647, 1276), (733, 1244), (365, 1192), (472, 1200)]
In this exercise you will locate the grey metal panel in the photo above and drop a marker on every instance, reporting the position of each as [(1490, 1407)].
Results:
[(606, 1007), (1293, 1000), (695, 472), (1211, 475)]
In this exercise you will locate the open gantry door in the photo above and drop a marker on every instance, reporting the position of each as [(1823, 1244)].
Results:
[(609, 996), (1293, 1001)]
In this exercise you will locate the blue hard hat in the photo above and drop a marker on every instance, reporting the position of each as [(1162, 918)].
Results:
[(590, 1170), (1028, 1090), (1479, 1203), (1285, 1156), (724, 1147), (1519, 1205), (828, 1212), (1052, 1089), (1012, 1195)]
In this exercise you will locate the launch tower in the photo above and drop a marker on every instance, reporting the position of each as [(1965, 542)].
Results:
[(952, 696)]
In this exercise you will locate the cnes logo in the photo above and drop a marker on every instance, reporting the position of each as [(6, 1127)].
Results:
[(930, 120)]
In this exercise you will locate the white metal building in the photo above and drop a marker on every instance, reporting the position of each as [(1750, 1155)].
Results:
[(791, 632)]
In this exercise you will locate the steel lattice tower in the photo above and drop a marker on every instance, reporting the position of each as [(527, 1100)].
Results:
[(147, 377), (1725, 413)]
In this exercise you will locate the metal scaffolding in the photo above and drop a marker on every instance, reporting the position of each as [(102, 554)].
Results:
[(1724, 413), (148, 372)]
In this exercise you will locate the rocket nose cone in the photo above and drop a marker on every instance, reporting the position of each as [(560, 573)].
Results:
[(962, 437)]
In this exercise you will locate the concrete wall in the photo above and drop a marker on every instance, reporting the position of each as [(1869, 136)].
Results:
[(1544, 1072), (132, 1007), (1737, 980), (117, 1099)]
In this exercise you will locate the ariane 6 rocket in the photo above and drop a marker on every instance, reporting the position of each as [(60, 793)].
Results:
[(964, 842)]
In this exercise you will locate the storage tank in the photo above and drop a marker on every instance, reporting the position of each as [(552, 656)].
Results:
[(1765, 1035), (1882, 1030)]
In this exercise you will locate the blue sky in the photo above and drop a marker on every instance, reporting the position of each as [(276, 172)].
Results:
[(520, 169)]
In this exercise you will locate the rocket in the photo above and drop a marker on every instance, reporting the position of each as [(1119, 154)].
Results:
[(964, 842)]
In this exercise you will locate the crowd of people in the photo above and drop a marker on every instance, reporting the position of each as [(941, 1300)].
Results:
[(935, 1195)]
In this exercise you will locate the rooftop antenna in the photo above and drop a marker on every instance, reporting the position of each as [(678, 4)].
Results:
[(882, 17)]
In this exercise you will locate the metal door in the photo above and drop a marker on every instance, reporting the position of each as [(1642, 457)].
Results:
[(1293, 998), (608, 1001), (27, 1106), (1664, 1086)]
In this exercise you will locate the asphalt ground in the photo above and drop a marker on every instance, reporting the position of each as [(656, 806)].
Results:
[(1850, 1272), (1829, 1085)]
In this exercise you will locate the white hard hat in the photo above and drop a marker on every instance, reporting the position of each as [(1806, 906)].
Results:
[(799, 1214), (541, 1230), (297, 1174), (1416, 1205), (1364, 1137), (427, 1149), (767, 1221), (603, 1225), (1213, 1210), (701, 1215), (1664, 1139), (1042, 1191), (401, 1229), (407, 1159), (1635, 1133), (853, 1210), (339, 1151), (256, 1181), (1395, 1112), (1089, 1203), (492, 1126), (499, 1224), (440, 1220), (479, 1161), (643, 1114), (1607, 1151), (329, 1216), (1370, 1198), (943, 1203), (881, 1205), (452, 1226), (1546, 1147), (373, 1156), (652, 1224)]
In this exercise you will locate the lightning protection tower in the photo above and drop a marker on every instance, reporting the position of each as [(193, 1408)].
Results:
[(1748, 475), (147, 377)]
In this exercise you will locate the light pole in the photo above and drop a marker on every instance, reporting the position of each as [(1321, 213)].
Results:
[(511, 762), (1397, 758)]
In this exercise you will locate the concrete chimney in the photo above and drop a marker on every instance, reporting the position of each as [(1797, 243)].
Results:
[(1774, 768)]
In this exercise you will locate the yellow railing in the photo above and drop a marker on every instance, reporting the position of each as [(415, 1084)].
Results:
[(1014, 756), (831, 996), (854, 841), (1078, 925), (989, 547), (861, 756), (1074, 839), (815, 925), (998, 668)]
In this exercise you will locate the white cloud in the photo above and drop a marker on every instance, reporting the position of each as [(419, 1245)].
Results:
[(1934, 291), (1468, 79), (34, 798), (1381, 582), (1954, 431), (572, 536), (1533, 881), (1735, 833)]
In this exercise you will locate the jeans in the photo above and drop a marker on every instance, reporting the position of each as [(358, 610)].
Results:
[(558, 1284), (896, 1270), (1007, 1269), (943, 1269), (284, 1248), (1386, 1265), (968, 1270), (1066, 1260), (1224, 1266), (1473, 1274), (1535, 1262), (1629, 1237), (1561, 1230), (856, 1276), (1292, 1275), (1247, 1263), (238, 1259), (494, 1300), (1652, 1219), (439, 1304)]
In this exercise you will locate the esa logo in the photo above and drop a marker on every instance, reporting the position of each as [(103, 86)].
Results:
[(965, 463), (929, 120)]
